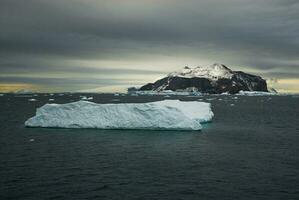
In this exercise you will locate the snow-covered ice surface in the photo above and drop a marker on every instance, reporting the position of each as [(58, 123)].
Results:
[(199, 111), (164, 92), (192, 94), (255, 93), (165, 115), (212, 72)]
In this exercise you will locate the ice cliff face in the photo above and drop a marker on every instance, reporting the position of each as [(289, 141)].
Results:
[(167, 114), (213, 79)]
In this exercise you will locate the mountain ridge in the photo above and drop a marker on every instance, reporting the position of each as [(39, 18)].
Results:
[(213, 79)]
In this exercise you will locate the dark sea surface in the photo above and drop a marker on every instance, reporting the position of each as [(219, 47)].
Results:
[(249, 151)]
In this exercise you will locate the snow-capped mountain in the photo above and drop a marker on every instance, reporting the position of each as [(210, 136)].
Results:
[(213, 79)]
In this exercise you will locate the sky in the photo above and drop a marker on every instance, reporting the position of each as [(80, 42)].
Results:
[(109, 45)]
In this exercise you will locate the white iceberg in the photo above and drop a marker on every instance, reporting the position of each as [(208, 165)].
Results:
[(199, 111), (165, 115)]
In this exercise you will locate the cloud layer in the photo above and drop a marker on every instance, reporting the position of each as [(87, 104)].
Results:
[(94, 43)]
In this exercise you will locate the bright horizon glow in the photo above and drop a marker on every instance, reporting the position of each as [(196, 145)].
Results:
[(281, 85)]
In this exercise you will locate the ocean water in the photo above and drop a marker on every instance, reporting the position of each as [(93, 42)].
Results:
[(249, 151)]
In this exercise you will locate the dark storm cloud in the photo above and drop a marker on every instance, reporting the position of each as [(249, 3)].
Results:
[(39, 35), (15, 67)]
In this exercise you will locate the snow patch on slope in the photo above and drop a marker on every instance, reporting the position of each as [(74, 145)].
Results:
[(167, 114), (212, 72)]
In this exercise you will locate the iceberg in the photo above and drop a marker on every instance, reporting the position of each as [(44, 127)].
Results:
[(161, 115), (198, 111)]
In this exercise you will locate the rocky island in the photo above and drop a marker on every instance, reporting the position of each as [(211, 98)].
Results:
[(213, 79)]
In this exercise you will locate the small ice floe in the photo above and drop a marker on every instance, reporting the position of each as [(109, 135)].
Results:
[(31, 140), (61, 94), (32, 100), (219, 99), (51, 94), (165, 115), (232, 104), (86, 98), (51, 99), (235, 98), (115, 100), (225, 93), (116, 94), (210, 99), (24, 91), (1, 95)]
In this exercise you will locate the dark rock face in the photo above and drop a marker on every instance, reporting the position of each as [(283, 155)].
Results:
[(239, 81)]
